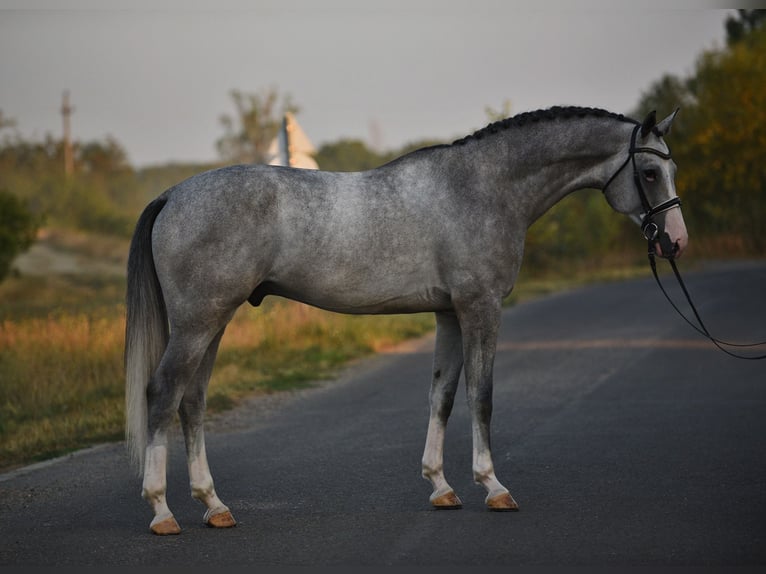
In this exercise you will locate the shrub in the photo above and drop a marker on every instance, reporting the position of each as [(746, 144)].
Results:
[(18, 228)]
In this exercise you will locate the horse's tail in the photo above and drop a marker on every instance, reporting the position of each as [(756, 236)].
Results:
[(146, 330)]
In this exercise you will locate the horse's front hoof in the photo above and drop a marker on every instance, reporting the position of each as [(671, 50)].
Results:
[(165, 527), (447, 501), (502, 503), (221, 520)]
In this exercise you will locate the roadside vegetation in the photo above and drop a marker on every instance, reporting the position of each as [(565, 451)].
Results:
[(62, 332)]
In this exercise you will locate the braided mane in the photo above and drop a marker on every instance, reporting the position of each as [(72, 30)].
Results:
[(550, 114)]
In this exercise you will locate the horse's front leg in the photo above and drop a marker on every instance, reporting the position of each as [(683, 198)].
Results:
[(448, 362), (480, 323)]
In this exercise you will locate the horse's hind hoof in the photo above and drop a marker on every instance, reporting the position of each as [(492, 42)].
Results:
[(221, 520), (165, 527), (502, 503), (447, 501)]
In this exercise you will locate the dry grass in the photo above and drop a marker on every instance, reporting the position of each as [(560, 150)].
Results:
[(62, 383), (289, 345)]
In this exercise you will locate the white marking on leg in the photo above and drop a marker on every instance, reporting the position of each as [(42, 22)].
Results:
[(155, 483), (201, 482), (433, 458), (484, 473)]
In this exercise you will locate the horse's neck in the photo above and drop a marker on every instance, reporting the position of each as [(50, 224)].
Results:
[(549, 161)]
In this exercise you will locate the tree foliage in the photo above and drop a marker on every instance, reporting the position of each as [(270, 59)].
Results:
[(718, 141), (18, 227), (347, 155), (746, 21), (100, 196), (355, 155), (255, 124)]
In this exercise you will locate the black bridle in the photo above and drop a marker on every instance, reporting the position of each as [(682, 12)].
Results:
[(649, 228), (651, 231)]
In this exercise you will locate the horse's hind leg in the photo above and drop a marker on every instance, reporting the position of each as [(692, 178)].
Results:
[(448, 362), (167, 386), (192, 413)]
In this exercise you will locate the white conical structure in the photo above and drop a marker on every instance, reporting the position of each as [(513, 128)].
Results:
[(292, 146)]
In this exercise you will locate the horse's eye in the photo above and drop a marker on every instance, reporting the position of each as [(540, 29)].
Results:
[(650, 175)]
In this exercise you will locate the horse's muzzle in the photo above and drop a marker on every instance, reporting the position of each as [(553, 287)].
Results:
[(671, 238), (667, 248)]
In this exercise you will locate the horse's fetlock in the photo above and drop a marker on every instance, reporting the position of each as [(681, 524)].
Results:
[(152, 495), (482, 475), (202, 492), (428, 471)]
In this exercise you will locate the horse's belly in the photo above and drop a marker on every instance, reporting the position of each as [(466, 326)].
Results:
[(368, 301)]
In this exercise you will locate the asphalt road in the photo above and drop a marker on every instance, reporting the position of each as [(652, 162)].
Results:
[(625, 437)]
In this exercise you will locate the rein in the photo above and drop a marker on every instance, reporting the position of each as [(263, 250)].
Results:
[(651, 231), (701, 329)]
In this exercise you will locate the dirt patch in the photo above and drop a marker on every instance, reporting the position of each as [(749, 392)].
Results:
[(46, 258)]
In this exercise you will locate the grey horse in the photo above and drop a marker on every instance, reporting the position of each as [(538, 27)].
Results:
[(438, 230)]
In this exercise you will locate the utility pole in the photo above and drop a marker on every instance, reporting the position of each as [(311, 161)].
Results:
[(66, 112)]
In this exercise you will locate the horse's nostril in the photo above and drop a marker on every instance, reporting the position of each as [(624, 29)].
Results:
[(667, 245)]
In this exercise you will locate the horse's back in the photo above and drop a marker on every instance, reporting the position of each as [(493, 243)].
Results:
[(353, 242)]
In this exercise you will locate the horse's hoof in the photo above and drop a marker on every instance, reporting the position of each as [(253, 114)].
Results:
[(165, 527), (221, 520), (446, 501), (502, 503)]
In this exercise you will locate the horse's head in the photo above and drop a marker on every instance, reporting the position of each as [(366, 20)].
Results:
[(647, 192)]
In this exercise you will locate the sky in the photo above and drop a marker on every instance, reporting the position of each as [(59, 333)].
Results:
[(157, 75)]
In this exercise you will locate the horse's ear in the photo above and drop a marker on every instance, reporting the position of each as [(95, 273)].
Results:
[(663, 128), (649, 122)]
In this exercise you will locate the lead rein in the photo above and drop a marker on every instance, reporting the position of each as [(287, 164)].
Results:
[(702, 329)]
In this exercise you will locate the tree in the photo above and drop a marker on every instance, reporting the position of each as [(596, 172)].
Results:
[(257, 120), (717, 139), (413, 146), (101, 197), (18, 228), (107, 157), (347, 155), (664, 96), (745, 22), (726, 148)]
